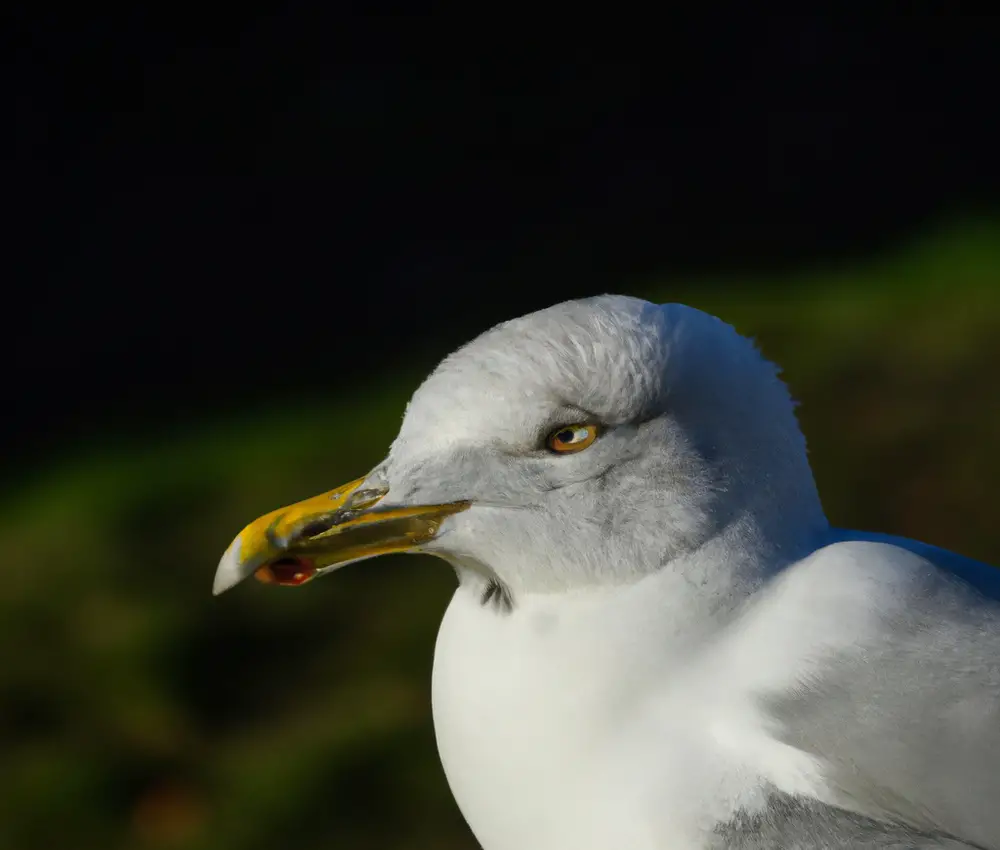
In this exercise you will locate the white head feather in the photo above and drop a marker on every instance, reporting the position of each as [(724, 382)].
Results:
[(699, 441)]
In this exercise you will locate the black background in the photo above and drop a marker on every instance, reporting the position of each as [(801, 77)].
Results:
[(217, 207)]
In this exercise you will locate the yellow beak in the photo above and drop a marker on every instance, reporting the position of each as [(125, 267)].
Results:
[(292, 545)]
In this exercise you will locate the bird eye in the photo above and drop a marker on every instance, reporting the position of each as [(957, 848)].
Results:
[(571, 438)]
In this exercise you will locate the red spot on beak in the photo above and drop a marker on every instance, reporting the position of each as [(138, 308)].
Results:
[(287, 572)]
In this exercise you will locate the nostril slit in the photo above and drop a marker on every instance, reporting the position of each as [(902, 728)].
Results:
[(316, 526), (365, 498)]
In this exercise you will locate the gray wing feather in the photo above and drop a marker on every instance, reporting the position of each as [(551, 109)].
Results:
[(985, 578), (791, 823), (909, 723)]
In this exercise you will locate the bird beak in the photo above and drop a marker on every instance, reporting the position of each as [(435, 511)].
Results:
[(293, 545)]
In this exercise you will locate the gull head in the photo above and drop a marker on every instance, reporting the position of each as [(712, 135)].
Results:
[(593, 442)]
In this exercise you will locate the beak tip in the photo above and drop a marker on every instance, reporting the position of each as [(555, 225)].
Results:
[(230, 571)]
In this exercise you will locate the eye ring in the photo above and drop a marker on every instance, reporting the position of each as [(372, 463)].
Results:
[(572, 438)]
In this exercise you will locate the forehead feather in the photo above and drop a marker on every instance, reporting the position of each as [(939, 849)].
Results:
[(605, 356)]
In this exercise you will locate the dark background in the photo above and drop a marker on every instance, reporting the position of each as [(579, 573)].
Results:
[(238, 239), (198, 199)]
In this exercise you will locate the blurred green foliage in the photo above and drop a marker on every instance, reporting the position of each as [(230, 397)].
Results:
[(136, 710)]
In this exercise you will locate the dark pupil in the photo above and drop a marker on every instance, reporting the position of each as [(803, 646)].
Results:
[(566, 436)]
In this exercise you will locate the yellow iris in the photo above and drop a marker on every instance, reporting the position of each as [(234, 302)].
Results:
[(571, 438)]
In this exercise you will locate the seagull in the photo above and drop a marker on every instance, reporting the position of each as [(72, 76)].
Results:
[(658, 641)]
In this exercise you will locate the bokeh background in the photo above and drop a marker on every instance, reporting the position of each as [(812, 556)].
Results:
[(238, 241)]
